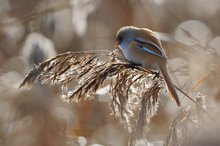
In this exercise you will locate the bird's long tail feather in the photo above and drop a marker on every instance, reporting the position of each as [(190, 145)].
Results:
[(170, 85)]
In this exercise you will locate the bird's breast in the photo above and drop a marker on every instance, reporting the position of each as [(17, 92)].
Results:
[(131, 53)]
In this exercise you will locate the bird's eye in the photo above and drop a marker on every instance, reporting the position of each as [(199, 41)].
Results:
[(119, 39)]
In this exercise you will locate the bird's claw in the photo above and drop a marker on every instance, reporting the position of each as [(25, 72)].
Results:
[(132, 65), (156, 75)]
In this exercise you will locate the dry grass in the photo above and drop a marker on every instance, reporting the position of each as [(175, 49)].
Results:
[(194, 126), (134, 90)]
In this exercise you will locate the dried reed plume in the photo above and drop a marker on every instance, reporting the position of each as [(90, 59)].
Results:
[(188, 121), (134, 90)]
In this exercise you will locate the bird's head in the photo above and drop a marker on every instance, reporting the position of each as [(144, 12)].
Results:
[(125, 34)]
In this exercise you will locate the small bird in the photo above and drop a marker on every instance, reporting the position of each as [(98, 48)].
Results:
[(141, 46)]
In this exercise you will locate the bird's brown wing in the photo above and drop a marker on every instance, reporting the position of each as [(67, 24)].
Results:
[(150, 47)]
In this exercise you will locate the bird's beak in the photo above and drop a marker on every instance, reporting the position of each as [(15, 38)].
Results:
[(116, 45)]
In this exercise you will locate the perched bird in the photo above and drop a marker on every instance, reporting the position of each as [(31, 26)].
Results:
[(141, 46)]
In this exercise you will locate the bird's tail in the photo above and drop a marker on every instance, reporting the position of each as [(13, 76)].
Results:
[(170, 85)]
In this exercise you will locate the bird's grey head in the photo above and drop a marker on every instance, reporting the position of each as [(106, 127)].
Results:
[(125, 34)]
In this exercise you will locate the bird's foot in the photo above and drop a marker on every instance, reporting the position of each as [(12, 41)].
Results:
[(156, 75), (132, 65)]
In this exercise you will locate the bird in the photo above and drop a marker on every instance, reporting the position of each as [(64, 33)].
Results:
[(142, 46)]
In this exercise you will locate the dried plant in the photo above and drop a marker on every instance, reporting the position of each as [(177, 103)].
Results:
[(134, 90), (186, 122)]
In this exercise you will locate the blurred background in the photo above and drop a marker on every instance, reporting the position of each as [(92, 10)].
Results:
[(32, 31)]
